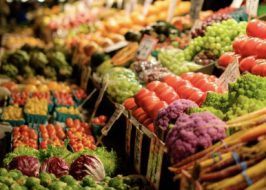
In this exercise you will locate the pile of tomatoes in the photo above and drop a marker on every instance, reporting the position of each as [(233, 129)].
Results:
[(80, 94), (43, 95), (101, 120), (19, 98), (64, 98), (23, 136), (79, 134)]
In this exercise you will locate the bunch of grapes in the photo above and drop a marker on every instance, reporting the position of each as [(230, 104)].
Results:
[(205, 57), (218, 38), (209, 22)]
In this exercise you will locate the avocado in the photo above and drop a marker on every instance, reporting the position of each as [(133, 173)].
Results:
[(68, 179), (13, 175), (137, 36), (161, 38), (162, 28), (15, 186), (3, 186), (3, 172), (149, 30), (88, 181), (45, 179)]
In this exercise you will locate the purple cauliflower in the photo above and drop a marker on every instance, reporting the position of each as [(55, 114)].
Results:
[(182, 141), (176, 109)]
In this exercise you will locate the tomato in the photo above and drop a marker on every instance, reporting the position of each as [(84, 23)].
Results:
[(44, 146), (190, 91), (160, 87), (25, 137), (181, 90), (201, 82), (148, 101), (50, 127), (256, 28), (196, 97), (130, 104), (167, 76), (236, 43), (96, 121), (142, 118), (173, 82), (147, 122), (209, 86), (139, 94), (25, 133), (143, 96), (249, 47), (80, 146), (137, 113), (226, 59), (16, 129), (163, 90), (16, 133), (169, 97), (42, 128), (77, 123), (69, 133), (69, 122), (32, 131), (61, 135), (258, 68), (88, 132), (181, 83), (148, 109), (261, 50), (152, 85), (73, 130), (213, 78), (85, 125), (156, 108), (187, 76), (58, 127), (151, 127), (33, 136), (51, 133), (72, 142), (247, 63), (197, 77)]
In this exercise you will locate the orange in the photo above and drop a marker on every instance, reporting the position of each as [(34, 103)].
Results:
[(34, 81), (136, 27), (138, 19), (151, 19), (43, 88), (163, 5), (153, 10), (123, 31), (111, 25), (30, 88), (162, 15), (52, 85), (125, 22)]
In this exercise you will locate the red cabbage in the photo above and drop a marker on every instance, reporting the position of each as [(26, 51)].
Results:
[(56, 166), (87, 165), (28, 165)]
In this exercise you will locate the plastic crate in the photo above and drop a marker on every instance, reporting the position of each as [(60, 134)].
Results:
[(13, 123), (61, 117), (97, 129), (36, 119)]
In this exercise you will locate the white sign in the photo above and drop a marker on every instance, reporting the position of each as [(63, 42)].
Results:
[(230, 75), (252, 7), (145, 48), (146, 6), (109, 4), (196, 6), (236, 4), (171, 10)]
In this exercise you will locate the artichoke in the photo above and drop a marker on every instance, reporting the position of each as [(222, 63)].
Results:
[(38, 60), (10, 70), (57, 60), (65, 71), (49, 72), (27, 70), (19, 58)]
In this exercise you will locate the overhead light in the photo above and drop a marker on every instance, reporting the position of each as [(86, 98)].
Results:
[(41, 0), (24, 1), (62, 1), (9, 1)]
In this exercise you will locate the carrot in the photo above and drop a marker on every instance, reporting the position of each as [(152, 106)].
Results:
[(259, 184), (264, 188), (252, 172), (261, 138), (249, 123), (254, 133), (240, 186)]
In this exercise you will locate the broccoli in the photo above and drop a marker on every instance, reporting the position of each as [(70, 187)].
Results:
[(217, 113), (217, 101)]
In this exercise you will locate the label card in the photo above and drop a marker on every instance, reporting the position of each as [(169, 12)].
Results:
[(230, 75), (155, 161), (236, 4), (137, 149), (146, 6), (113, 118), (171, 10), (196, 6), (145, 48), (252, 7)]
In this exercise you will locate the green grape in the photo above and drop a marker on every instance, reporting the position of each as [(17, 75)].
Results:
[(231, 48), (212, 45), (191, 47), (201, 43), (198, 48), (209, 28), (223, 43), (215, 52), (207, 45), (211, 39), (205, 39), (221, 30), (222, 36), (226, 48), (199, 38), (188, 57), (224, 22), (227, 39), (195, 43), (213, 33), (218, 46), (222, 52), (217, 39)]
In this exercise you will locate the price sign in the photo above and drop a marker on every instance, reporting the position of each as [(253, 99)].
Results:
[(252, 7), (155, 161), (128, 134), (145, 48), (109, 4), (116, 46), (171, 10), (138, 148), (230, 75), (146, 6), (195, 9), (236, 4), (114, 117)]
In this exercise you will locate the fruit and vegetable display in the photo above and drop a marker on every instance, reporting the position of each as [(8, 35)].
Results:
[(70, 110), (101, 120), (36, 106), (13, 112), (19, 98)]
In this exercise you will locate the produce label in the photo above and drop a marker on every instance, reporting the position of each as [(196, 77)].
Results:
[(147, 4), (137, 149), (230, 75), (236, 4), (155, 161), (116, 46), (128, 136), (145, 48), (114, 117), (171, 10), (252, 7), (195, 9)]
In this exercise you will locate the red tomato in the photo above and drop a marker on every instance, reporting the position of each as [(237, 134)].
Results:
[(148, 109), (201, 82), (16, 129), (24, 128), (25, 133), (81, 129), (163, 90), (42, 128), (190, 91), (156, 108), (213, 78), (197, 77), (160, 87), (76, 122), (261, 50), (196, 97), (137, 113), (142, 118), (130, 105), (44, 135), (236, 43), (50, 127), (256, 28), (69, 122), (73, 130), (139, 94), (96, 121), (151, 127), (187, 76), (167, 76), (32, 131), (147, 122), (51, 133), (247, 63), (69, 133), (169, 97), (16, 133), (33, 136), (72, 142), (44, 146), (258, 68), (85, 125), (147, 101), (209, 86), (152, 85), (182, 89), (226, 59), (249, 47), (173, 82), (61, 135), (58, 127), (181, 83)]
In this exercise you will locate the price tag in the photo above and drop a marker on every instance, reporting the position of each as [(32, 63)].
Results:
[(155, 161), (196, 6), (137, 149), (230, 75), (119, 4), (236, 4), (146, 6), (116, 46), (114, 117), (145, 48), (171, 10), (109, 4), (128, 134), (252, 7)]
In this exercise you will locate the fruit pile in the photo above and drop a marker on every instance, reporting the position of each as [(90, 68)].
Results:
[(205, 57), (36, 106), (80, 94), (13, 113), (52, 132), (42, 95), (19, 98), (23, 136), (101, 120), (64, 98), (70, 110)]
